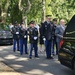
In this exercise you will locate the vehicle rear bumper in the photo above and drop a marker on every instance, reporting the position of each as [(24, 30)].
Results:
[(6, 40)]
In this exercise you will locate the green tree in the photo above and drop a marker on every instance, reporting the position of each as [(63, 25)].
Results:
[(24, 7)]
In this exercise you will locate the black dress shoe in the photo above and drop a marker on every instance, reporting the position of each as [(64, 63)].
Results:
[(53, 54), (56, 54), (21, 53), (18, 50), (49, 58), (14, 50), (26, 53), (30, 57), (36, 56)]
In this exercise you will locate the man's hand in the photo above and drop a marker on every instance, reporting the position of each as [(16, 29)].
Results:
[(35, 38), (17, 32), (44, 39)]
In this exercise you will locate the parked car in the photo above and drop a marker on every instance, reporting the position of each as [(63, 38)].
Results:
[(5, 35), (66, 54)]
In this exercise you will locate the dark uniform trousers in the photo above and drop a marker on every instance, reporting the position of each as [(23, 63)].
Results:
[(23, 42), (33, 45), (15, 42), (53, 44), (48, 48)]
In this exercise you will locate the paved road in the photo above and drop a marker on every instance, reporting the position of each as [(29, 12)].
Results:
[(40, 66)]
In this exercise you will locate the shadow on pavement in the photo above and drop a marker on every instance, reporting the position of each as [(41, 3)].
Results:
[(35, 66)]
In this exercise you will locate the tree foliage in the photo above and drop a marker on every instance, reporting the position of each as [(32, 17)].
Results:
[(20, 10)]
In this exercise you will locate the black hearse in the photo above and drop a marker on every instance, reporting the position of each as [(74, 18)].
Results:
[(66, 54)]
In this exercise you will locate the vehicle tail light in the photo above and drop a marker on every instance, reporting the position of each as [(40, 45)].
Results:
[(61, 43)]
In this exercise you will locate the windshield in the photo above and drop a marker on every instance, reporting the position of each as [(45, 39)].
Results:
[(4, 27)]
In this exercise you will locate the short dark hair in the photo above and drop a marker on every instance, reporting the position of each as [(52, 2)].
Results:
[(55, 19), (31, 22)]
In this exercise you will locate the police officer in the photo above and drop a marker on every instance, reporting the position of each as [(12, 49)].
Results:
[(33, 37), (15, 32), (54, 37), (47, 35), (23, 39)]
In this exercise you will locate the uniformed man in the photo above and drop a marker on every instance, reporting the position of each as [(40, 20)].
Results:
[(15, 32), (23, 39), (54, 42), (33, 36), (47, 35)]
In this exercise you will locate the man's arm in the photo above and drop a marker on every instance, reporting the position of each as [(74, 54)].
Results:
[(12, 31), (57, 33)]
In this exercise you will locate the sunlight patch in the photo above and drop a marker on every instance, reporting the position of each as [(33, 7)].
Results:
[(43, 64), (17, 66), (10, 57), (38, 72), (22, 59)]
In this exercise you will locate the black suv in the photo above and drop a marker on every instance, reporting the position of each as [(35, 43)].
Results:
[(67, 51)]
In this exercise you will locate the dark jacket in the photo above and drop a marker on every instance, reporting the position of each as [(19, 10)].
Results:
[(33, 32), (40, 30), (47, 30), (23, 33), (15, 32), (53, 31)]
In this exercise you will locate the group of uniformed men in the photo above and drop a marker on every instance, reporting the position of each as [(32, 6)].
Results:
[(47, 33)]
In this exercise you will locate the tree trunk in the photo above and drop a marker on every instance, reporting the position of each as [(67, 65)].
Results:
[(43, 10), (0, 7), (25, 20), (0, 11), (4, 11), (25, 10)]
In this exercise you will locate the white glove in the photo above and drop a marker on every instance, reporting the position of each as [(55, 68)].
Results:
[(44, 39), (25, 36), (17, 32), (35, 38)]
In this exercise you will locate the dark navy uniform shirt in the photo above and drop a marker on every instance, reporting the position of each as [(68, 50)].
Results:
[(23, 33), (47, 30), (33, 34), (15, 32)]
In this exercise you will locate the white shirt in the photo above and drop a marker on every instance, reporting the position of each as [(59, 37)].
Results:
[(36, 26)]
